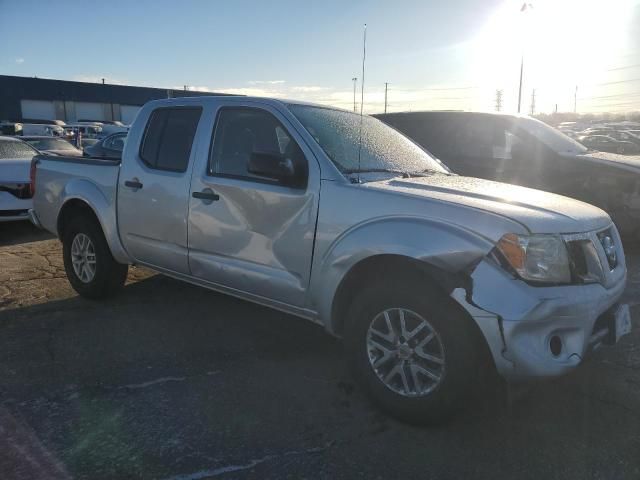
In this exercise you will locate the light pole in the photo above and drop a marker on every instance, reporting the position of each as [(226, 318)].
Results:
[(520, 87), (386, 86), (355, 82), (523, 9)]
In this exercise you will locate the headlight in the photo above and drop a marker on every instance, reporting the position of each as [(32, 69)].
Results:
[(537, 258)]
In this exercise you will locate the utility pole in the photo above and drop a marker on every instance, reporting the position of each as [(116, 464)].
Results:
[(355, 82), (498, 100), (386, 86), (556, 111), (103, 81), (185, 88), (533, 102), (575, 100), (520, 87), (525, 6)]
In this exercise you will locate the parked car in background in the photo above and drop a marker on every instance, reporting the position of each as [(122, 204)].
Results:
[(431, 278), (108, 147), (607, 143), (86, 130), (10, 128), (110, 129), (117, 123), (53, 145), (88, 142), (524, 151), (620, 135), (15, 188), (41, 121), (42, 129)]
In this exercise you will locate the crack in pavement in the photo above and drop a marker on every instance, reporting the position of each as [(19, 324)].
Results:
[(247, 466)]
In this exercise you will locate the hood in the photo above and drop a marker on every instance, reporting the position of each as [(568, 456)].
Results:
[(625, 162), (15, 170), (538, 211)]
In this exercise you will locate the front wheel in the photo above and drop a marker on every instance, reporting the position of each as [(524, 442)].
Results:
[(412, 350), (90, 267)]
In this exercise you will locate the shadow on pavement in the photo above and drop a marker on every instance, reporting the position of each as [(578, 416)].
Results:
[(13, 233)]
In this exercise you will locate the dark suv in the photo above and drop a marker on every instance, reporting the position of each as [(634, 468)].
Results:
[(525, 151)]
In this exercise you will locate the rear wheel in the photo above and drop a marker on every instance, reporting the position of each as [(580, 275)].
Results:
[(412, 349), (90, 267)]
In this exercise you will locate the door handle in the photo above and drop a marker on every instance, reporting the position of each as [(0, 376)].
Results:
[(133, 184), (207, 195)]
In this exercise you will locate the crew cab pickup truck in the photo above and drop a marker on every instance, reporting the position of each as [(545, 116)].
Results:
[(428, 276)]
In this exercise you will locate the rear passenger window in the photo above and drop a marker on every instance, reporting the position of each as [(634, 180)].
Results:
[(168, 138)]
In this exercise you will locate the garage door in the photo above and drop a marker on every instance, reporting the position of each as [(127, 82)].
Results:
[(38, 109), (128, 113), (89, 111)]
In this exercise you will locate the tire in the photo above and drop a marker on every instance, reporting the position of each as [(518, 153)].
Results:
[(108, 275), (434, 404)]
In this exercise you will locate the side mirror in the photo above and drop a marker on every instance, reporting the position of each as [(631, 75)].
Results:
[(271, 165)]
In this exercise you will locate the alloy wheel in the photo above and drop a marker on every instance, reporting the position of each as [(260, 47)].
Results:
[(83, 257), (405, 352)]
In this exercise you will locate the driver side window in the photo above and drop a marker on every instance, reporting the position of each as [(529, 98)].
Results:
[(242, 132)]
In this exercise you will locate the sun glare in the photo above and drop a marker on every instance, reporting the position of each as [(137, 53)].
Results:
[(565, 43)]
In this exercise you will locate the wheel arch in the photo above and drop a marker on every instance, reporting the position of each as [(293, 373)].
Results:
[(412, 271), (85, 197)]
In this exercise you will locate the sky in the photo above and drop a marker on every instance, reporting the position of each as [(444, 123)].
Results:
[(433, 54)]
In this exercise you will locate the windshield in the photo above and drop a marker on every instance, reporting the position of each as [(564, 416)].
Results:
[(552, 138), (50, 144), (383, 148), (15, 149)]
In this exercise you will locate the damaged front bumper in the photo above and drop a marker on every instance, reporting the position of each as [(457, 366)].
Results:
[(543, 331)]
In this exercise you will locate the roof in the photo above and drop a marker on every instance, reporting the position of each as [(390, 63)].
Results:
[(244, 99)]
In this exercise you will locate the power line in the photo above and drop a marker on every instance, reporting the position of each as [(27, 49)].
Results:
[(608, 105), (617, 82), (611, 96), (615, 69)]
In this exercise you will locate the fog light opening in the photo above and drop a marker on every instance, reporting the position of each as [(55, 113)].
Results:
[(555, 345)]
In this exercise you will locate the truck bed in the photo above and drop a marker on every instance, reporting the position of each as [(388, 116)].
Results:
[(59, 178)]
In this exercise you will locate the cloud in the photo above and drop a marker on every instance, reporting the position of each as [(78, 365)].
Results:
[(251, 92), (266, 82), (19, 60), (308, 89)]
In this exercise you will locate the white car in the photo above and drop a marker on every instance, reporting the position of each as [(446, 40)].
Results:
[(15, 189), (42, 129)]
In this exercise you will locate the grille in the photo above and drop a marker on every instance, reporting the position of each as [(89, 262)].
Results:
[(608, 243), (596, 256)]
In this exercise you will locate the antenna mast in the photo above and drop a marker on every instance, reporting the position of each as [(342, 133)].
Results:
[(364, 57)]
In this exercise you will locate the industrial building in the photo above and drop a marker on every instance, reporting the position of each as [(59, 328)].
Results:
[(25, 98)]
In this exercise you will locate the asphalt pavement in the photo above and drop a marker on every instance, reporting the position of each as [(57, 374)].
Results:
[(171, 381)]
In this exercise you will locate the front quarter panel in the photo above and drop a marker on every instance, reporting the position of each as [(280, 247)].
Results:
[(377, 228)]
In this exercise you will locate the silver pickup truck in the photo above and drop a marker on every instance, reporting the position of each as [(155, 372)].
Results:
[(428, 276)]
